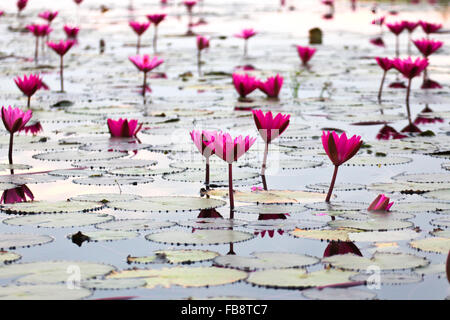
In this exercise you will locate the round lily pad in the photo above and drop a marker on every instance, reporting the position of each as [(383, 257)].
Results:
[(406, 187), (112, 284), (365, 215), (78, 155), (19, 240), (423, 177), (8, 257), (49, 272), (118, 146), (42, 292), (337, 206), (76, 172), (285, 224), (187, 277), (441, 195), (175, 257), (135, 225), (421, 206), (20, 179), (325, 234), (287, 164), (64, 220), (15, 166), (212, 223), (297, 278), (443, 222), (270, 209), (116, 164), (441, 233), (379, 224), (139, 172), (36, 207), (376, 161), (113, 180), (199, 237), (385, 261), (388, 278), (265, 260), (217, 177), (105, 197), (323, 187), (338, 294), (167, 203), (434, 244), (272, 196), (384, 236)]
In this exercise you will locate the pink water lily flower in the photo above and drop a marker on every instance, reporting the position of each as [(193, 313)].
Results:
[(305, 53), (246, 34), (18, 194), (396, 28), (386, 64), (427, 46), (124, 128), (244, 84), (204, 141), (428, 27), (339, 149), (410, 25), (272, 86), (14, 120), (202, 43), (71, 31), (145, 64), (156, 19), (139, 28), (270, 127), (381, 203), (21, 4), (230, 150), (379, 21), (29, 85), (61, 48), (48, 15)]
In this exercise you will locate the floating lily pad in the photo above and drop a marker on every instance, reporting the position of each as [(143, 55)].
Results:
[(6, 186), (285, 224), (266, 260), (338, 294), (187, 277), (365, 215), (434, 244), (78, 155), (112, 284), (167, 203), (42, 292), (287, 164), (372, 224), (8, 257), (218, 177), (116, 164), (441, 233), (272, 196), (20, 179), (406, 187), (105, 197), (175, 257), (212, 223), (19, 240), (49, 272), (421, 206), (65, 220), (435, 268), (199, 237), (113, 180), (76, 173), (325, 234), (115, 146), (7, 166), (446, 166), (297, 278), (36, 207), (138, 172), (388, 278), (384, 236), (442, 195), (323, 187), (385, 261), (107, 235), (376, 161), (135, 225), (271, 209), (337, 206), (424, 177), (443, 222)]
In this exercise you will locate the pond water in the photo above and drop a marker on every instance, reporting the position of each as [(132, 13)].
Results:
[(405, 250)]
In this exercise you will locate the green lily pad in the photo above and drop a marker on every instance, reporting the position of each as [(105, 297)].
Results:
[(105, 197), (323, 187), (272, 196), (112, 284), (175, 257), (338, 294), (167, 203), (42, 292), (266, 260), (135, 225), (325, 234), (434, 244), (424, 177), (384, 236), (379, 224), (421, 206), (187, 277), (376, 161), (139, 172), (15, 166), (441, 195), (108, 235), (8, 257), (116, 164), (406, 187), (66, 220), (297, 278), (388, 278), (78, 155), (199, 237), (113, 180), (217, 177), (212, 223), (441, 222), (19, 240), (270, 209), (36, 207), (385, 261)]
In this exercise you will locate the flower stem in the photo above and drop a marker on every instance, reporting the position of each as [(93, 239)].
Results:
[(138, 45), (380, 92), (333, 180), (36, 50), (61, 73), (397, 48), (29, 102), (207, 174), (11, 141), (199, 62), (408, 91), (230, 188), (155, 39), (245, 47), (264, 164)]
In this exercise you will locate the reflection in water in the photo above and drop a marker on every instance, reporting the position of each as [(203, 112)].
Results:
[(341, 247), (209, 213), (388, 132), (423, 118), (18, 194), (271, 216), (33, 128)]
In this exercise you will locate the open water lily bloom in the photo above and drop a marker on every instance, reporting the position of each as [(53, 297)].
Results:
[(123, 128)]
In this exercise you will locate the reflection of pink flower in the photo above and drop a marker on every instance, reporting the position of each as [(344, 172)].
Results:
[(16, 195), (427, 120), (48, 15), (381, 203), (246, 34), (397, 85), (209, 213), (33, 128), (377, 42), (341, 247), (430, 84), (388, 132)]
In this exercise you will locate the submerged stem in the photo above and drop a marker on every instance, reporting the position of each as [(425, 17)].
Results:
[(380, 91), (11, 141), (408, 90), (333, 180), (207, 174), (61, 74)]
